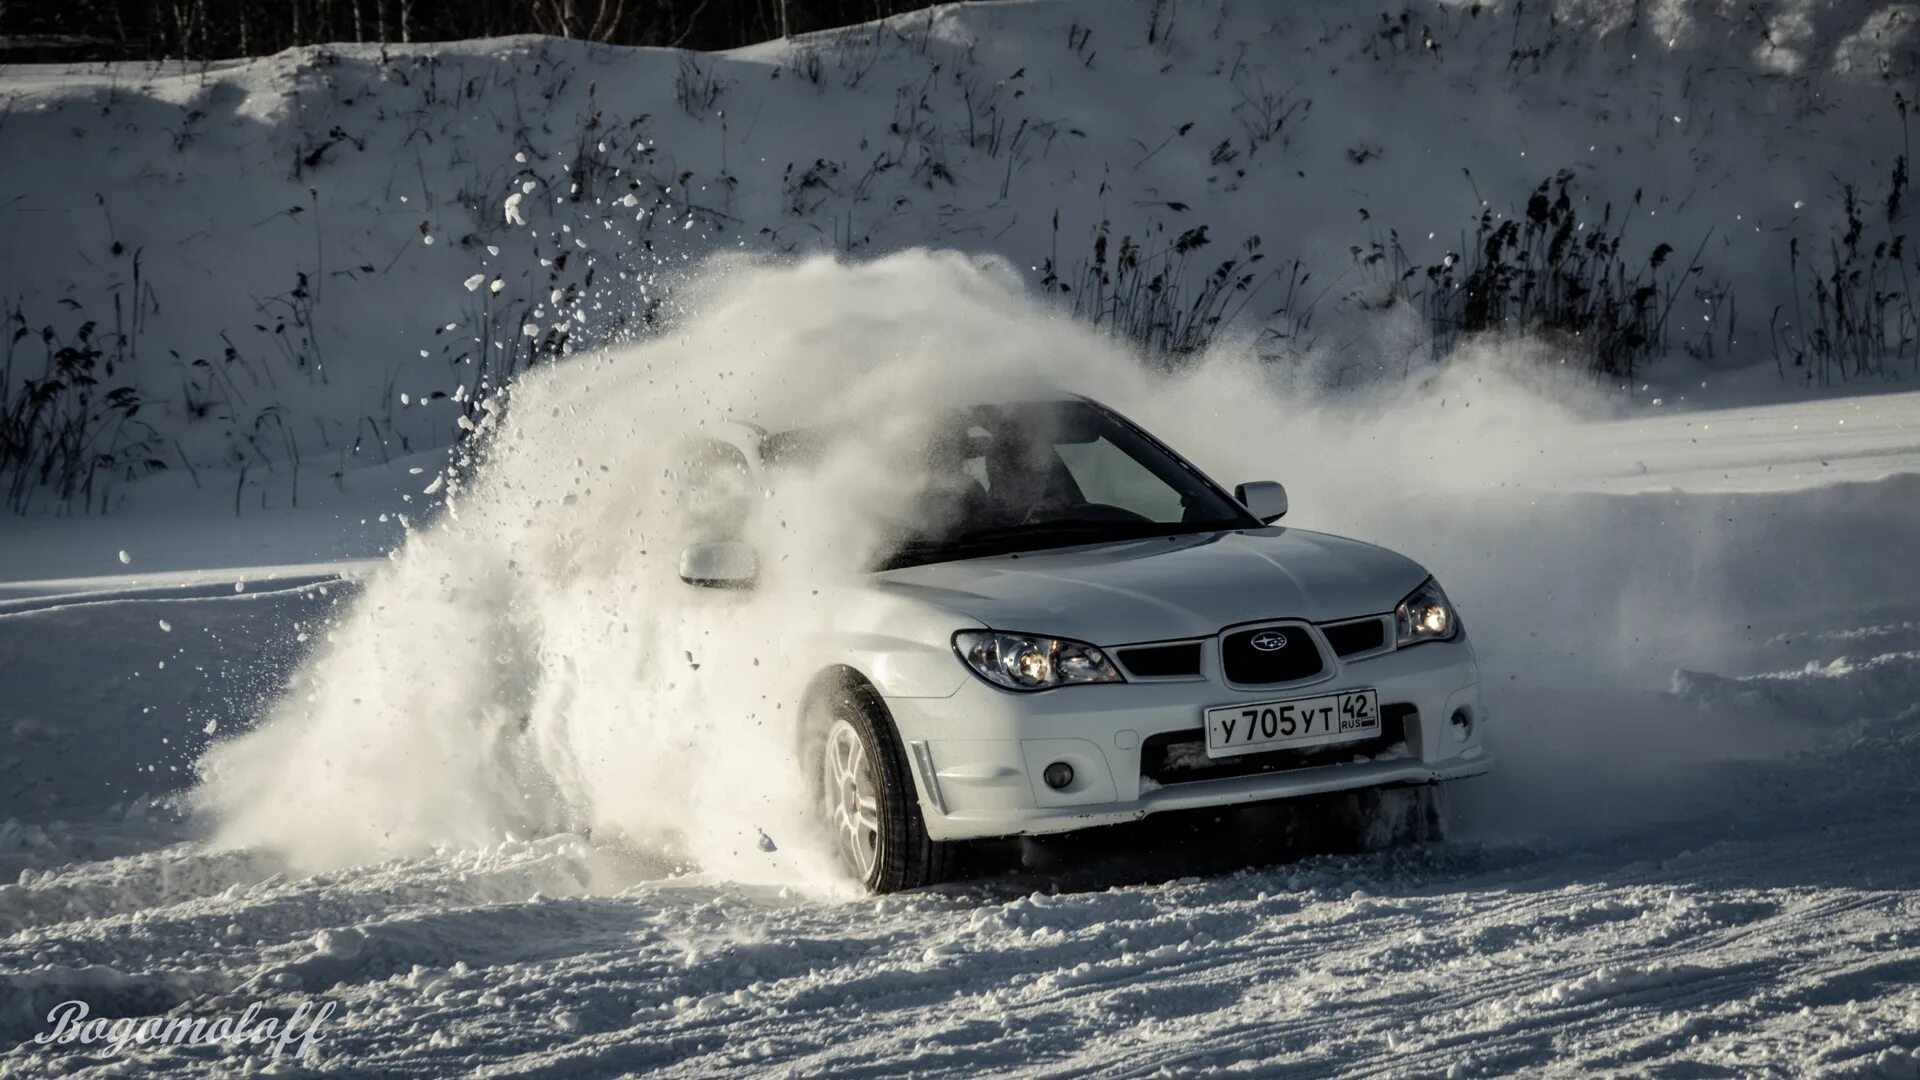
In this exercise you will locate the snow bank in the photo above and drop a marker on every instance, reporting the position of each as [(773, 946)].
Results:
[(330, 254)]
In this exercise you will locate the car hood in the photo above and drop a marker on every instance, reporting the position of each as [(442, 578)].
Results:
[(1166, 587)]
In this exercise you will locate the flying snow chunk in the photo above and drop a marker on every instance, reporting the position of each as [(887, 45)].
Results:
[(513, 209), (125, 559), (473, 283)]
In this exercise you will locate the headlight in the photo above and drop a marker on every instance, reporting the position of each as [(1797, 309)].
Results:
[(1027, 662), (1425, 615)]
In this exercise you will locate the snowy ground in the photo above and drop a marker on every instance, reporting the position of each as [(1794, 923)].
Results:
[(1697, 601), (1700, 856)]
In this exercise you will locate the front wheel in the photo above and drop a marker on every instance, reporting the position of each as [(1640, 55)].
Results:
[(1390, 817), (866, 796), (1371, 819)]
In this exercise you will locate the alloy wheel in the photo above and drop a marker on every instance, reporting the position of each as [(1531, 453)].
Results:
[(850, 794)]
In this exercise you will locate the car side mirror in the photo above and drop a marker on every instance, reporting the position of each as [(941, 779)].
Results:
[(1264, 499), (727, 564)]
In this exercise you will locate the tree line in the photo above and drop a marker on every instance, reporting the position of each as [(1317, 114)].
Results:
[(86, 30)]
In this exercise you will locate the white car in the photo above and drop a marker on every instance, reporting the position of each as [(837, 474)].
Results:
[(1083, 629)]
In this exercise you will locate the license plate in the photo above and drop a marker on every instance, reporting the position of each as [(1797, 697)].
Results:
[(1233, 730)]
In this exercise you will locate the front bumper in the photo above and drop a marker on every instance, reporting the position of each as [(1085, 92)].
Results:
[(977, 756)]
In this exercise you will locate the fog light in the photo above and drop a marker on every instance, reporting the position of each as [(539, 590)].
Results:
[(1462, 725), (1058, 775)]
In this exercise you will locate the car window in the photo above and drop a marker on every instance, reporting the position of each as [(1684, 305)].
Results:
[(1110, 476), (1030, 465), (1027, 476), (975, 466)]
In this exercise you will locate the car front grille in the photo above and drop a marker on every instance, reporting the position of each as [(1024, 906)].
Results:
[(1180, 757), (1161, 661), (1245, 663), (1351, 638)]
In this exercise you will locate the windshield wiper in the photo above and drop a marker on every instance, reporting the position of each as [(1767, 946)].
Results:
[(1037, 536), (1033, 536), (1057, 528)]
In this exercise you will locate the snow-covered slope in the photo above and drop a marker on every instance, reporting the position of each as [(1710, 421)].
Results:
[(330, 253)]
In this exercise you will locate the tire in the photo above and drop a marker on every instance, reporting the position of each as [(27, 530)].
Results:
[(865, 795), (1392, 817), (1374, 819)]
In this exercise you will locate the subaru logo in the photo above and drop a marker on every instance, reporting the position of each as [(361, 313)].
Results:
[(1269, 641)]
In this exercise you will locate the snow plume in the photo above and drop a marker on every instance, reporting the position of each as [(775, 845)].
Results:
[(530, 662)]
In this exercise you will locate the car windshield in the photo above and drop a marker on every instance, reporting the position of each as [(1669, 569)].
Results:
[(1035, 475)]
